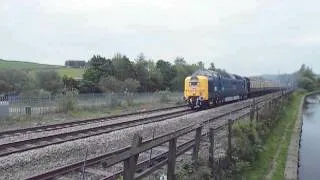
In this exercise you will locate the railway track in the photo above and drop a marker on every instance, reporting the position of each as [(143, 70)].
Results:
[(39, 142), (37, 129), (35, 142), (238, 110)]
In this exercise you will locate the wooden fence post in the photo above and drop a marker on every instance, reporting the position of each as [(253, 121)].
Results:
[(196, 145), (172, 159), (211, 152), (257, 114), (269, 106), (229, 140), (84, 166), (130, 164), (251, 114)]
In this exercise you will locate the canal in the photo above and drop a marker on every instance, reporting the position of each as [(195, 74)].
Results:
[(310, 140)]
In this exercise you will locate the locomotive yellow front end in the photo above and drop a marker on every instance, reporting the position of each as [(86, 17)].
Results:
[(196, 91)]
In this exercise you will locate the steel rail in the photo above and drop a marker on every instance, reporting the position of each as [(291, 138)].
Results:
[(39, 142), (50, 127)]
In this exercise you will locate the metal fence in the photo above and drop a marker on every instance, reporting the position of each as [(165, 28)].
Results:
[(20, 105)]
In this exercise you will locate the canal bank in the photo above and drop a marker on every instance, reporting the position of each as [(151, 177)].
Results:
[(292, 163)]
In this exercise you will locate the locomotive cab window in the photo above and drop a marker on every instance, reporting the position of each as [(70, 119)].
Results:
[(193, 83)]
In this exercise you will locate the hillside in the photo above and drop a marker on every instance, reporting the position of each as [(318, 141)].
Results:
[(62, 70), (4, 64)]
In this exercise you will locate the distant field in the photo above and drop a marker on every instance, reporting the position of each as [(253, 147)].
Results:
[(71, 72), (62, 70), (24, 65)]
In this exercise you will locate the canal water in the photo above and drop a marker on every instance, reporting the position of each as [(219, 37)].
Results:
[(310, 140)]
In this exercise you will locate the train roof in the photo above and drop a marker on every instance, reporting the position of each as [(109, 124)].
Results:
[(238, 77), (205, 73)]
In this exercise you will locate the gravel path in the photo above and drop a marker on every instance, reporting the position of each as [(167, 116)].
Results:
[(22, 165)]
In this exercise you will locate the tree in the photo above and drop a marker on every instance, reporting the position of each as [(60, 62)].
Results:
[(123, 67), (106, 69), (182, 71), (141, 72), (49, 81), (140, 58), (13, 80), (306, 78), (201, 65), (97, 61), (4, 87), (156, 79), (179, 61), (212, 67), (306, 71), (131, 85), (69, 83), (110, 84), (99, 67), (92, 75), (307, 83), (167, 72)]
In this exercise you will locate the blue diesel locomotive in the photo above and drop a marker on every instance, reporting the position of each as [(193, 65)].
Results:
[(206, 88)]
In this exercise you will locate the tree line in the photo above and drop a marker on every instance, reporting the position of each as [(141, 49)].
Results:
[(120, 74), (307, 79), (31, 83), (116, 74)]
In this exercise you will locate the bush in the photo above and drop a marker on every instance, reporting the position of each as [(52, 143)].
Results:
[(49, 81), (180, 101), (131, 85), (67, 101), (195, 172), (114, 100), (110, 84), (164, 96), (247, 144), (129, 98)]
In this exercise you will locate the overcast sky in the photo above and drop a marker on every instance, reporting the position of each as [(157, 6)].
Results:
[(246, 37)]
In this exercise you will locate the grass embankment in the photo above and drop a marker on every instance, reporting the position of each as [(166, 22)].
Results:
[(271, 161)]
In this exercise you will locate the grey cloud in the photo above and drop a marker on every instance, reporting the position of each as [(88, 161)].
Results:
[(244, 37)]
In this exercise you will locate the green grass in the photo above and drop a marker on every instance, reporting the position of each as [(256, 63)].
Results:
[(262, 166), (62, 70), (71, 72)]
